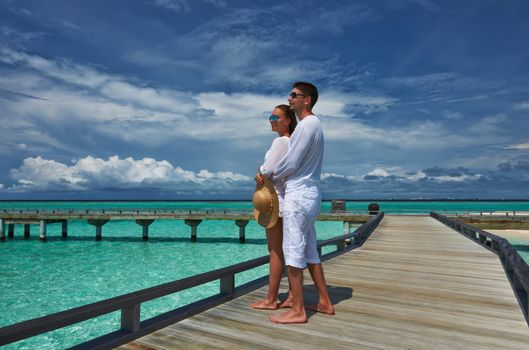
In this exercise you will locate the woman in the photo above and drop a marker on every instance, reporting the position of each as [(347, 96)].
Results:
[(283, 121)]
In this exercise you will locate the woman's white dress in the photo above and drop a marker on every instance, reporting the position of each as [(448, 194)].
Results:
[(277, 151)]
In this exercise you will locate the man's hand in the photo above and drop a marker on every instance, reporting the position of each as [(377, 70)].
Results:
[(259, 178)]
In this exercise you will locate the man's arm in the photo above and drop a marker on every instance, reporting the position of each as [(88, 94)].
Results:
[(298, 148), (277, 151)]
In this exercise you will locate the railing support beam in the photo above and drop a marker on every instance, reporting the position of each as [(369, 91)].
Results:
[(227, 285), (130, 318)]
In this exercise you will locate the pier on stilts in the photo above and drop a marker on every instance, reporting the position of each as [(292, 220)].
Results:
[(397, 282), (98, 218)]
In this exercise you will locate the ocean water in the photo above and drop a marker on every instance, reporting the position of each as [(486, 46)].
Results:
[(39, 278)]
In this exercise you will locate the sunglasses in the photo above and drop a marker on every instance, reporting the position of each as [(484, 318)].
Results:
[(273, 118), (294, 94)]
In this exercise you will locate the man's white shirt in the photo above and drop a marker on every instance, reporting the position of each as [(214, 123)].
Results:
[(301, 166)]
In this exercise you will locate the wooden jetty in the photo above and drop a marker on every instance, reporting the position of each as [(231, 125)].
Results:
[(98, 218), (414, 284), (496, 220), (417, 283)]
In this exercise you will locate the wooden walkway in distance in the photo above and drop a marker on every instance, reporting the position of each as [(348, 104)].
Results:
[(415, 284)]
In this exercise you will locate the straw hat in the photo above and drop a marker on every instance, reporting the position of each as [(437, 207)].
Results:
[(266, 204)]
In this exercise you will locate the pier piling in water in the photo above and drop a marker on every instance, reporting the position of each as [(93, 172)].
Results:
[(10, 230), (99, 227), (2, 229), (27, 231), (242, 229), (64, 228), (193, 224), (43, 225), (144, 223)]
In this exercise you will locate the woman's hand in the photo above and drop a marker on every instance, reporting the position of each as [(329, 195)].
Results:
[(259, 178)]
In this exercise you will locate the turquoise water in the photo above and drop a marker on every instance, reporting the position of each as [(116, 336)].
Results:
[(39, 278), (389, 207)]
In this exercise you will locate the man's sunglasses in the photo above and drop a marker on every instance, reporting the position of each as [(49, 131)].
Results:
[(273, 118), (294, 94)]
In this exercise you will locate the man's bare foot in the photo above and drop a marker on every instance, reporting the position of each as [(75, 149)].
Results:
[(289, 317), (287, 303), (322, 308), (265, 305)]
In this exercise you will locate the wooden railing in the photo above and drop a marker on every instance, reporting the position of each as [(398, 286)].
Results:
[(129, 305), (515, 266)]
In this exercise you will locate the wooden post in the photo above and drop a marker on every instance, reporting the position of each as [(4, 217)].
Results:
[(10, 230), (43, 225), (2, 229), (130, 318), (64, 229), (227, 285), (99, 227), (27, 231), (144, 223), (242, 229), (346, 227), (193, 224)]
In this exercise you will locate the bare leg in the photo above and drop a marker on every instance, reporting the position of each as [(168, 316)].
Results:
[(274, 238), (324, 301), (288, 301), (297, 314)]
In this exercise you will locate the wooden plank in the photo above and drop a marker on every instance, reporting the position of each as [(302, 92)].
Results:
[(415, 284)]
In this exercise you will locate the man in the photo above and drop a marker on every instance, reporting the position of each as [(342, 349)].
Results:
[(301, 171)]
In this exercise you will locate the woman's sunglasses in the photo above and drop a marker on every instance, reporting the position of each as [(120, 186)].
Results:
[(273, 118)]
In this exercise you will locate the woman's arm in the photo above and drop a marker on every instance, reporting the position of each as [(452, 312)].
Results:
[(277, 151)]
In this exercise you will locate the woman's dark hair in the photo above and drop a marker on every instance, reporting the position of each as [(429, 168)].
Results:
[(290, 115)]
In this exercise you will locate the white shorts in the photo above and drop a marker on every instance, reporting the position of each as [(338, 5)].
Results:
[(300, 209)]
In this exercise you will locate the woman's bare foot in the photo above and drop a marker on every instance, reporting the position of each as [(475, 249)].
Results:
[(322, 308), (287, 303), (289, 317), (265, 305)]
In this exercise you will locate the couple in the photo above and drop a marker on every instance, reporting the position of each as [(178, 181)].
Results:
[(294, 164)]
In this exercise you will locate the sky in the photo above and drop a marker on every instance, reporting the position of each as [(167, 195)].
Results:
[(169, 99)]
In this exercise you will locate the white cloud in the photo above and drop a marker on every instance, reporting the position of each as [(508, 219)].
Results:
[(379, 172), (174, 5), (339, 104), (489, 125), (522, 106), (519, 146), (16, 36), (434, 83), (398, 174), (118, 107), (91, 173), (185, 5), (452, 115)]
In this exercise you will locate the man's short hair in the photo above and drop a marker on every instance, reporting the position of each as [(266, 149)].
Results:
[(307, 89)]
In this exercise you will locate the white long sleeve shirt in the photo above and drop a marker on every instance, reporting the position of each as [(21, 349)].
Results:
[(277, 151), (301, 166)]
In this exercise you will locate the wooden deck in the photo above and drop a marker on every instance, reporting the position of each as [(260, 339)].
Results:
[(415, 284)]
